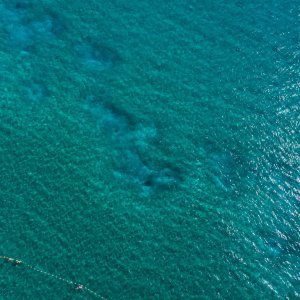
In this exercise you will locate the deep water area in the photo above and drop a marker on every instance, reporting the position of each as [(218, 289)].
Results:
[(149, 150)]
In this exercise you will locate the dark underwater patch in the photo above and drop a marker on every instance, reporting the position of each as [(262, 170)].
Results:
[(34, 92), (26, 30), (166, 177), (96, 57), (23, 5), (278, 243), (226, 167), (128, 137)]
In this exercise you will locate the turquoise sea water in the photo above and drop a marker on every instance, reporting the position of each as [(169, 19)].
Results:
[(150, 149)]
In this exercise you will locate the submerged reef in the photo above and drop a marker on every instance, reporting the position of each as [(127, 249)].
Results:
[(130, 142), (96, 57), (24, 29), (278, 243), (225, 168), (222, 170), (33, 92)]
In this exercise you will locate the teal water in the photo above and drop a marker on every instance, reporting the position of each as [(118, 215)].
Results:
[(150, 149)]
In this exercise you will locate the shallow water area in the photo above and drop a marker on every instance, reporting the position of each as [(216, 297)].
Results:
[(149, 150)]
